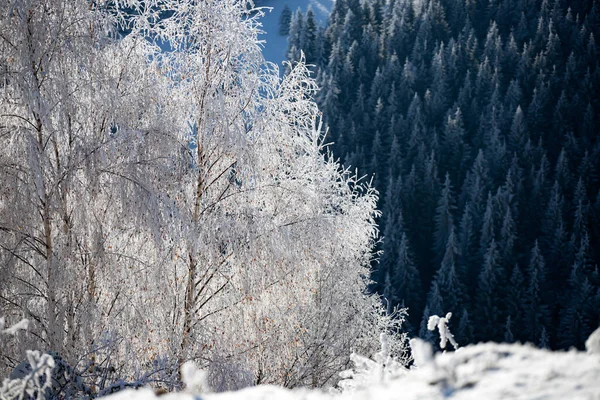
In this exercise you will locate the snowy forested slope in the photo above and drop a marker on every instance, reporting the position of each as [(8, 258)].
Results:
[(480, 122)]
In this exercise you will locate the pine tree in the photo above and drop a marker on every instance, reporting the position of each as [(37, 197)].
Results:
[(285, 19), (488, 226), (561, 171), (476, 184), (297, 37), (467, 245), (488, 298), (575, 320), (311, 37), (406, 279), (518, 131), (544, 341), (425, 333), (444, 220), (515, 302), (435, 302), (554, 215), (581, 209), (455, 149), (448, 279), (508, 238), (465, 333), (536, 310)]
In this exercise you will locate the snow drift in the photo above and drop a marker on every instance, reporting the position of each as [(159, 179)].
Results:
[(484, 371)]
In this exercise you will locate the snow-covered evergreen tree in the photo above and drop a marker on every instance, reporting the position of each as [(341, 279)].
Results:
[(285, 19)]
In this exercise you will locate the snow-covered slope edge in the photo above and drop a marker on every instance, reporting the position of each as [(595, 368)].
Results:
[(484, 371)]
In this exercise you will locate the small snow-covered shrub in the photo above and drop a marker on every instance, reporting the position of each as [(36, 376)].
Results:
[(367, 372), (32, 379), (442, 324), (194, 378), (35, 383), (61, 381)]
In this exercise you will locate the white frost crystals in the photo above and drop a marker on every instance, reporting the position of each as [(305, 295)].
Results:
[(161, 206), (22, 325)]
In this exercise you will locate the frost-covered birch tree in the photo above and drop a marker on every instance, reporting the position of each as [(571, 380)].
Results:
[(166, 197), (84, 139)]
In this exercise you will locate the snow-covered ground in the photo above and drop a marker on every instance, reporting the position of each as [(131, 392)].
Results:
[(275, 45), (481, 372)]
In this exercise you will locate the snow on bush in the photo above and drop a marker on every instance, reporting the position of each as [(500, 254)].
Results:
[(194, 378), (367, 372), (22, 325), (34, 384), (485, 371), (422, 352), (442, 324)]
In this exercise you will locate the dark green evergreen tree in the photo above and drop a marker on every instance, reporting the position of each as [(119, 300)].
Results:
[(488, 300), (536, 310), (444, 219), (285, 19)]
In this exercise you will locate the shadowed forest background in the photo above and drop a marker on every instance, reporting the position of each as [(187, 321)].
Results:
[(479, 123)]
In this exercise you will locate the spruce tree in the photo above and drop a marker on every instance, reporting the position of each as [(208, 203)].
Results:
[(487, 299), (536, 311), (444, 219), (515, 302), (285, 19), (448, 278)]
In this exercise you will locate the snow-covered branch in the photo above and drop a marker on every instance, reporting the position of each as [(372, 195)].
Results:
[(442, 325)]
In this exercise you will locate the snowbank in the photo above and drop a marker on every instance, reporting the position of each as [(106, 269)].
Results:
[(485, 371)]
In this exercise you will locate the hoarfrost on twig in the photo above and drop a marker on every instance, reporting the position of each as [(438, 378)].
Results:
[(442, 325), (22, 325)]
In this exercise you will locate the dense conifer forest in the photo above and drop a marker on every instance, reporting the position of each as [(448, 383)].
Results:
[(478, 121)]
